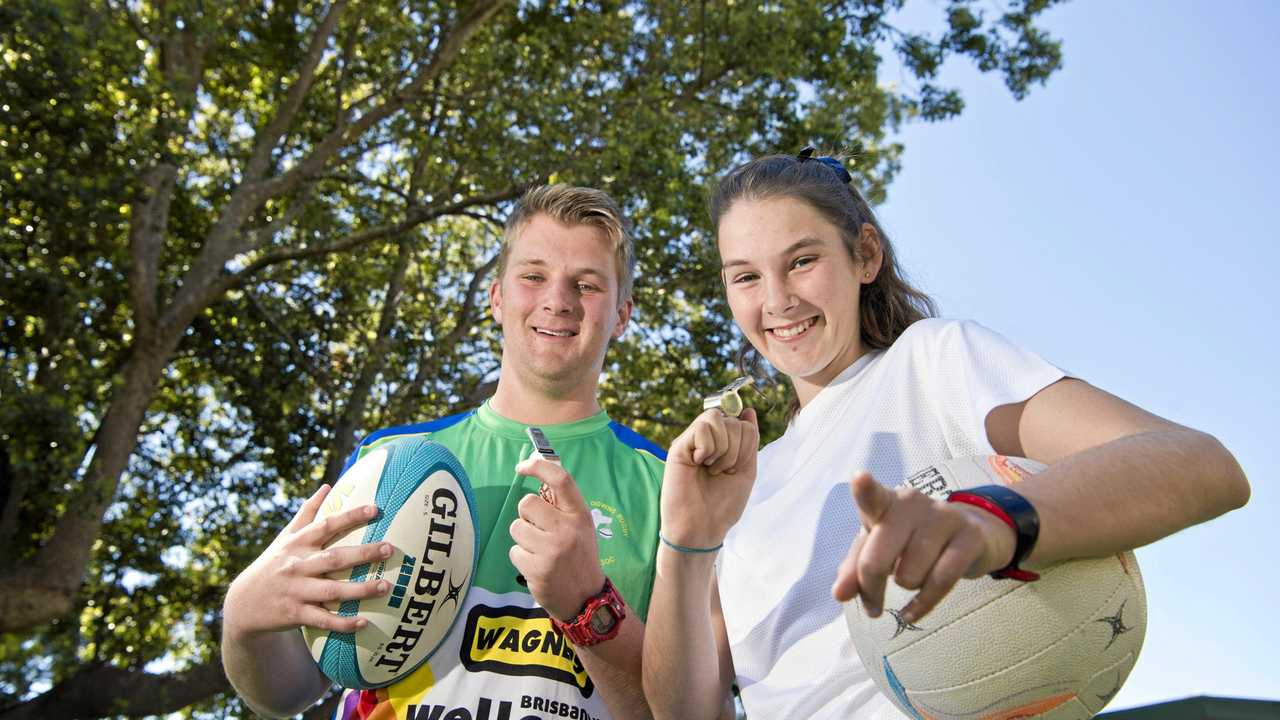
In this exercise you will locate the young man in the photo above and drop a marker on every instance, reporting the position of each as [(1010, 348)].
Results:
[(563, 291)]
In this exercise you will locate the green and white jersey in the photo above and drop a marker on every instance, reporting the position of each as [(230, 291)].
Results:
[(501, 659)]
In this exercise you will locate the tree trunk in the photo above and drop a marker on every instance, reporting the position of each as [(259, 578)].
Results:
[(44, 587)]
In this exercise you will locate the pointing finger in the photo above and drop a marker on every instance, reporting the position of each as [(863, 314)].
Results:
[(872, 498), (563, 487)]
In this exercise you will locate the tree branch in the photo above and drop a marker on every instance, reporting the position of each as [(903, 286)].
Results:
[(204, 282), (415, 217), (344, 429), (146, 239), (133, 693), (321, 377), (446, 53), (465, 320), (123, 9), (270, 136)]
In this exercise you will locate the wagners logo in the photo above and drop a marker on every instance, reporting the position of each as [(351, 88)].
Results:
[(520, 641)]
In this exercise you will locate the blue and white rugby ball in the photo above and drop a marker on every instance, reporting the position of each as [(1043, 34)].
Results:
[(428, 516)]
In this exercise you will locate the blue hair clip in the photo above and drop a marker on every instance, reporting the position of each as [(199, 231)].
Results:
[(834, 164)]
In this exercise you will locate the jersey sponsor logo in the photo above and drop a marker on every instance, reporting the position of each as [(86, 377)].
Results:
[(485, 709), (608, 520), (489, 709), (555, 708), (602, 522), (520, 641)]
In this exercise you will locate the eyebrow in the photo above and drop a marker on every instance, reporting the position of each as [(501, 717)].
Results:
[(797, 245), (538, 262)]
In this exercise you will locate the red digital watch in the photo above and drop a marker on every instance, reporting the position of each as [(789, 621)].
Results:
[(599, 620)]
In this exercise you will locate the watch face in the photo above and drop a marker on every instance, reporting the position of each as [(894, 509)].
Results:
[(603, 620)]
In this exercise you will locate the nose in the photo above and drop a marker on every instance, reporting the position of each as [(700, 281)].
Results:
[(778, 298), (560, 298)]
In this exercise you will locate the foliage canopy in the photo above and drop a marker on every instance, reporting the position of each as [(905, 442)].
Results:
[(238, 235)]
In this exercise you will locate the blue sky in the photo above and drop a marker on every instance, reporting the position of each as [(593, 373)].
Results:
[(1118, 221)]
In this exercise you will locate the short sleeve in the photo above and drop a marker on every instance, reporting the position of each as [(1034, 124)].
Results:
[(976, 370)]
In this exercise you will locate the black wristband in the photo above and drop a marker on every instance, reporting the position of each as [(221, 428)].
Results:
[(1015, 511)]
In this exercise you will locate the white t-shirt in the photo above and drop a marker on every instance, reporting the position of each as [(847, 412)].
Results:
[(892, 412)]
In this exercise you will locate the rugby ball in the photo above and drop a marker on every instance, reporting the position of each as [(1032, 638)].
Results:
[(428, 516), (1058, 648)]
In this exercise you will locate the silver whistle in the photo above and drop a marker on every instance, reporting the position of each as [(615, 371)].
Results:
[(727, 399)]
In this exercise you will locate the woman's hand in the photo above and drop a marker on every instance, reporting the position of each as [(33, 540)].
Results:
[(709, 473), (924, 543)]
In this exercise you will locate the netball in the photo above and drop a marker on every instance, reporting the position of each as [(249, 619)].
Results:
[(993, 649)]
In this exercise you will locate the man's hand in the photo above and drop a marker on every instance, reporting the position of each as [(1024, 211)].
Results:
[(926, 544), (288, 585), (556, 549), (709, 473)]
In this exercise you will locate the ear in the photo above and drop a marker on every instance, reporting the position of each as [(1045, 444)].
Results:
[(624, 317), (870, 253), (495, 300)]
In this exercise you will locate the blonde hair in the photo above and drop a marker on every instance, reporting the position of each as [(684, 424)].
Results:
[(571, 205)]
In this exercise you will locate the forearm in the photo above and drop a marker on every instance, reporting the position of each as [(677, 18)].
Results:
[(1132, 491), (273, 672), (683, 677), (615, 667)]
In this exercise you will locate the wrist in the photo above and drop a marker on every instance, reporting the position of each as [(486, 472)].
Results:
[(599, 620), (700, 538), (571, 608), (999, 541), (1016, 513)]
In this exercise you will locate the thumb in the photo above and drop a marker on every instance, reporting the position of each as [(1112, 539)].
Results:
[(872, 498)]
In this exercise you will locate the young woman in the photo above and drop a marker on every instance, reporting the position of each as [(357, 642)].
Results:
[(753, 565)]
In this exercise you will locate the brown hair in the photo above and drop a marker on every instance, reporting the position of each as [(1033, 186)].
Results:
[(571, 205), (889, 303)]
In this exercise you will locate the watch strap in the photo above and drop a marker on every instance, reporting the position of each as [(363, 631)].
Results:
[(1016, 512)]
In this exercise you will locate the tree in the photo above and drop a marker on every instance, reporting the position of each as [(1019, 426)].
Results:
[(238, 236)]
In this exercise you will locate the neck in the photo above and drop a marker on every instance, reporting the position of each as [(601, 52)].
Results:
[(807, 388), (516, 400)]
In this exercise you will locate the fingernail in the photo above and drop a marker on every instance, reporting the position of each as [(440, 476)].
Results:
[(361, 623), (385, 550), (383, 585), (872, 610), (371, 510)]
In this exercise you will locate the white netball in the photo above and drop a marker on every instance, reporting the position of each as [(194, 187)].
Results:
[(1057, 648)]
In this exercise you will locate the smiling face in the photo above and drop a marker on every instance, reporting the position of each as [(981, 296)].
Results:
[(557, 303), (794, 288)]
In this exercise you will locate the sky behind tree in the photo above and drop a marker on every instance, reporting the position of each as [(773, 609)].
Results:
[(1118, 221)]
